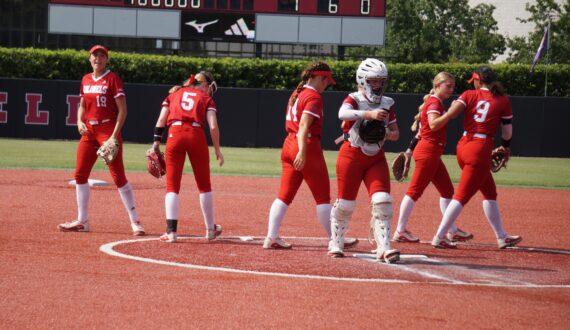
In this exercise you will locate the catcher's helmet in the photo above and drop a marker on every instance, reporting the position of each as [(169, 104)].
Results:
[(372, 68)]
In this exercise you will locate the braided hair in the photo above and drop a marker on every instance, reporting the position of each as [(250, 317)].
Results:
[(305, 76), (437, 80)]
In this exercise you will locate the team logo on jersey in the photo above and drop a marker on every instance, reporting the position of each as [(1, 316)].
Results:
[(200, 26), (94, 89)]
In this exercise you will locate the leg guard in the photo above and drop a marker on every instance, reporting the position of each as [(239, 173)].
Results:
[(380, 227), (340, 217)]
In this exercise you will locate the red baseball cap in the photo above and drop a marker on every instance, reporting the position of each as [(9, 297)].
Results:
[(99, 47)]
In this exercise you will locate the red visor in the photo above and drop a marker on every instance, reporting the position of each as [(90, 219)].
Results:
[(327, 74), (99, 47), (191, 80), (473, 77)]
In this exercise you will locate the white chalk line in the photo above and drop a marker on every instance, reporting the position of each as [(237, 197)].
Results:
[(109, 249), (521, 248)]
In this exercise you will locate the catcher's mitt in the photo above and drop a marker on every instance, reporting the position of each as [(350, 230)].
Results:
[(108, 150), (372, 131), (401, 166), (499, 158), (156, 165)]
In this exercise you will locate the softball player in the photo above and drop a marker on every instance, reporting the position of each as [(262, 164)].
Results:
[(186, 112), (485, 108), (302, 157), (427, 155), (359, 161), (101, 115)]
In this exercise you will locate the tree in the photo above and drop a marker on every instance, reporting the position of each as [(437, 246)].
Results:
[(438, 31), (523, 49)]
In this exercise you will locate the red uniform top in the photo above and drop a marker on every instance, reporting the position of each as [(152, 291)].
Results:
[(432, 105), (308, 101), (99, 95), (189, 105), (484, 111)]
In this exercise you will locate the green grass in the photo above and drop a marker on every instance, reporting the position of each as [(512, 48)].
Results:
[(42, 154)]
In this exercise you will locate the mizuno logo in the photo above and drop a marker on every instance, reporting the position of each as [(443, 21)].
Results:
[(200, 26)]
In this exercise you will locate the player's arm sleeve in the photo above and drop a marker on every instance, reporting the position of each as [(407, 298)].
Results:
[(349, 110)]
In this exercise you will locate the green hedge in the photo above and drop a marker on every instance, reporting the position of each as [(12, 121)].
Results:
[(274, 74)]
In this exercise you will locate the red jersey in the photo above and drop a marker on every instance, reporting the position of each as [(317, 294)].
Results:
[(308, 101), (189, 105), (484, 111), (99, 95), (432, 105)]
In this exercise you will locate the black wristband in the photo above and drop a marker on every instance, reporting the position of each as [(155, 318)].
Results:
[(158, 133), (506, 143), (413, 143)]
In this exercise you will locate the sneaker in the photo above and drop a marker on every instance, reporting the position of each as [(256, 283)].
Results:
[(405, 237), (168, 237), (459, 236), (443, 243), (213, 233), (138, 229), (389, 257), (509, 241), (74, 225), (336, 253), (350, 242), (277, 244)]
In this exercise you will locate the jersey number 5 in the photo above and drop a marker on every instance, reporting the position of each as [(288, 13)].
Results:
[(187, 102), (482, 111)]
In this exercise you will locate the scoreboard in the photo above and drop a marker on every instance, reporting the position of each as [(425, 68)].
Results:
[(342, 22)]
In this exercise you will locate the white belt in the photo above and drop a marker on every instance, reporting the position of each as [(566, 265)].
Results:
[(180, 122), (97, 122), (477, 135)]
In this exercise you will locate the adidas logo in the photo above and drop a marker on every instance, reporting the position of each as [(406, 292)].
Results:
[(240, 29)]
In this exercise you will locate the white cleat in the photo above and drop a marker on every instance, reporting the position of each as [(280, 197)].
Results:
[(508, 241), (168, 237), (276, 244), (74, 226), (212, 234), (138, 229)]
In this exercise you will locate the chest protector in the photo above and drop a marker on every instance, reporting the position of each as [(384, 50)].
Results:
[(369, 149)]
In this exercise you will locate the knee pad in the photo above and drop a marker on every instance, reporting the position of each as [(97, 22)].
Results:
[(382, 206), (343, 209)]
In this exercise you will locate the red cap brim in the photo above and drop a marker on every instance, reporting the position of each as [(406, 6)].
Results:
[(473, 77), (327, 74), (331, 79), (99, 47)]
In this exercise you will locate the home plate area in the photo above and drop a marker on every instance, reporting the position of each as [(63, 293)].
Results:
[(470, 264)]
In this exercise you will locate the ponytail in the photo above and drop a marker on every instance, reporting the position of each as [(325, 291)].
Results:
[(437, 80), (416, 123), (496, 88), (305, 75)]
